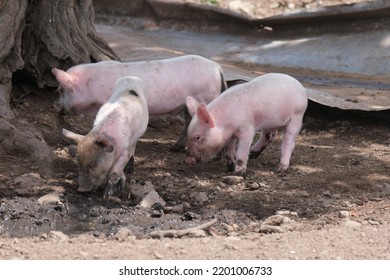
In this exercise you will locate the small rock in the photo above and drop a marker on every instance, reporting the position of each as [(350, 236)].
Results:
[(277, 224), (189, 216), (3, 178), (43, 236), (179, 209), (58, 235), (232, 180), (274, 220), (270, 229), (196, 184), (59, 189), (200, 197), (157, 210), (123, 234), (158, 255), (352, 224), (254, 186), (373, 223), (348, 204), (139, 192), (344, 214), (264, 185), (197, 233), (50, 198), (227, 227), (254, 225), (327, 193), (283, 212), (385, 189), (150, 199), (28, 180)]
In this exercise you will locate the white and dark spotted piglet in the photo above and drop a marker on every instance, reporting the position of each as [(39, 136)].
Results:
[(104, 152)]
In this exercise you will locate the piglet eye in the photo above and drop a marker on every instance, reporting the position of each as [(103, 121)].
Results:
[(196, 137)]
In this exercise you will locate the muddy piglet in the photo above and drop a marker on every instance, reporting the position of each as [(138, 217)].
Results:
[(104, 152), (265, 103)]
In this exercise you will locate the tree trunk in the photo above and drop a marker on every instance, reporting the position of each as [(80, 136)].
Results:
[(35, 36)]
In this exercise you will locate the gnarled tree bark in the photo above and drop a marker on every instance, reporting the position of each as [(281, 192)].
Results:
[(35, 36)]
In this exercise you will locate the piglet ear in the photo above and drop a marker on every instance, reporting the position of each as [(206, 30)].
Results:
[(105, 142), (205, 116), (72, 136), (65, 79), (192, 105)]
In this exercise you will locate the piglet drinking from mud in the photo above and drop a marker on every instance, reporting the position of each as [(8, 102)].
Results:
[(167, 84), (104, 152), (230, 121)]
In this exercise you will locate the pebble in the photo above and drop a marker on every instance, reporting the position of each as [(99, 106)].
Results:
[(28, 180), (283, 212), (3, 178), (232, 180), (286, 213), (385, 189), (327, 193), (352, 224), (200, 197), (227, 227), (50, 198), (58, 235), (373, 223), (344, 214), (348, 204), (178, 209), (124, 234), (138, 192), (150, 199), (277, 224)]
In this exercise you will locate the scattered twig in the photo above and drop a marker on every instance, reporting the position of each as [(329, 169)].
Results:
[(181, 232)]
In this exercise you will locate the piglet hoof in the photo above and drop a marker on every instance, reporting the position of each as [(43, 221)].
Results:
[(231, 166), (115, 186), (282, 171), (240, 168), (253, 154)]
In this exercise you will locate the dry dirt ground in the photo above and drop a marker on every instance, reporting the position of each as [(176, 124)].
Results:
[(333, 203)]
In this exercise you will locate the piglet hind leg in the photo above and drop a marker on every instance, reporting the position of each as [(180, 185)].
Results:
[(291, 132), (181, 142), (266, 137)]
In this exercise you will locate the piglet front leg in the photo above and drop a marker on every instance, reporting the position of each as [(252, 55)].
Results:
[(116, 185), (242, 154), (230, 151), (117, 180)]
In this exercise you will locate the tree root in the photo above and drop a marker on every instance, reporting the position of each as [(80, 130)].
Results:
[(181, 232)]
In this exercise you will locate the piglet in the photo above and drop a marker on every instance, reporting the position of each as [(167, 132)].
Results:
[(84, 88), (265, 103), (104, 152)]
